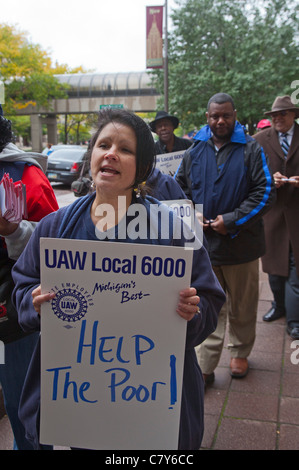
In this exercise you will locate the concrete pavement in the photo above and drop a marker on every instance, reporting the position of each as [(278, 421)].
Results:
[(260, 411)]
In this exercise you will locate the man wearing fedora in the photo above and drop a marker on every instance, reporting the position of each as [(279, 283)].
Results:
[(163, 125), (281, 260)]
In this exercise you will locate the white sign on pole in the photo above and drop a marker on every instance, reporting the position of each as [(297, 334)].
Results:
[(112, 344), (182, 208)]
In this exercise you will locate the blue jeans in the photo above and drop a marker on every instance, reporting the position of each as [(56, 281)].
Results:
[(12, 375)]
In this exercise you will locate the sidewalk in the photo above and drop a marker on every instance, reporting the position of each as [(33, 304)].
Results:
[(261, 410), (258, 412)]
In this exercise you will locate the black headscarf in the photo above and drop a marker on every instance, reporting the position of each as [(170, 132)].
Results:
[(6, 135)]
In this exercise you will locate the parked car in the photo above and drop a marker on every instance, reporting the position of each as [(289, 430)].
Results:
[(53, 148), (64, 165)]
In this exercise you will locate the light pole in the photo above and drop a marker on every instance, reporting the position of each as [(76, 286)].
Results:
[(166, 60)]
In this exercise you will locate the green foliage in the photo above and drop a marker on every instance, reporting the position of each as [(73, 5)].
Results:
[(248, 49), (75, 128), (21, 126), (26, 71)]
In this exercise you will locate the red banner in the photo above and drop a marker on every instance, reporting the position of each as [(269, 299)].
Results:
[(154, 40)]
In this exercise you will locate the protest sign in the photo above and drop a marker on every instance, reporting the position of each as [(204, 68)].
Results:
[(112, 344), (13, 203), (182, 208), (168, 163)]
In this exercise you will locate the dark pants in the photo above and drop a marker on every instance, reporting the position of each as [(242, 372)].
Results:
[(286, 293), (12, 375)]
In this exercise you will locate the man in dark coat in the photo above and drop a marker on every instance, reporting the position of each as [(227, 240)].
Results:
[(163, 126), (226, 171), (281, 260)]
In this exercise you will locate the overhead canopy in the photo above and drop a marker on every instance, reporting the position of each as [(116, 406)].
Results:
[(108, 84)]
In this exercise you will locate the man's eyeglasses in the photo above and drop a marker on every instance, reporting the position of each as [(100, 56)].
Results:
[(279, 113)]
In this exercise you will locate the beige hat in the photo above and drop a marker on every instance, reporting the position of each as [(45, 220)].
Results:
[(283, 103)]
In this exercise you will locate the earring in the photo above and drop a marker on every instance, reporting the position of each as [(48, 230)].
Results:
[(139, 188), (137, 191)]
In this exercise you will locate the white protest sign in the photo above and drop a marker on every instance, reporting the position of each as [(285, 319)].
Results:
[(112, 344), (182, 208), (168, 163)]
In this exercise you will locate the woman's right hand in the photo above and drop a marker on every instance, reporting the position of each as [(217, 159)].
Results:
[(38, 298), (7, 228)]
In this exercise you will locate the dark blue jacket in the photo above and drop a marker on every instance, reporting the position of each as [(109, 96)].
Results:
[(164, 187)]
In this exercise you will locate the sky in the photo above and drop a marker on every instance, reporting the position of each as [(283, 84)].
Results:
[(103, 36)]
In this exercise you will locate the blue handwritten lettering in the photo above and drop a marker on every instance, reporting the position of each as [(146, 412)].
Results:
[(92, 345), (102, 351), (141, 393), (120, 388), (138, 350), (119, 348), (173, 381), (77, 392), (114, 384), (143, 344)]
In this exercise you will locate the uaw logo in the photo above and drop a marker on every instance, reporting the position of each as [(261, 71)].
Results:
[(71, 303)]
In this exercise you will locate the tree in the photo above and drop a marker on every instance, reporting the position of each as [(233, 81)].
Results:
[(21, 128), (26, 71), (75, 128), (248, 49)]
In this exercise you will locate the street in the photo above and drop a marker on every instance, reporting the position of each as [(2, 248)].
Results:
[(63, 193)]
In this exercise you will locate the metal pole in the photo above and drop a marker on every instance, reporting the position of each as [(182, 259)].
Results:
[(166, 60)]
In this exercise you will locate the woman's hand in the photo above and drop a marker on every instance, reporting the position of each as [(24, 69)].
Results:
[(38, 298), (7, 228), (188, 303)]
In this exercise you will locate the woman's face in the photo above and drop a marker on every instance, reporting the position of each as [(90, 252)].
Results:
[(113, 160)]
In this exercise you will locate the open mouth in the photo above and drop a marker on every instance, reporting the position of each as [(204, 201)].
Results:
[(109, 170)]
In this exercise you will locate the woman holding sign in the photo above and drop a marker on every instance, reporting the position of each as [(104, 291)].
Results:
[(122, 157)]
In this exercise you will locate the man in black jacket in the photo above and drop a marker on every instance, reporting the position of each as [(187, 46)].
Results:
[(164, 125), (226, 171)]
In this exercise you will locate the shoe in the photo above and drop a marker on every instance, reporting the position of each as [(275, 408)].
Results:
[(293, 332), (239, 367), (208, 378), (273, 314)]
